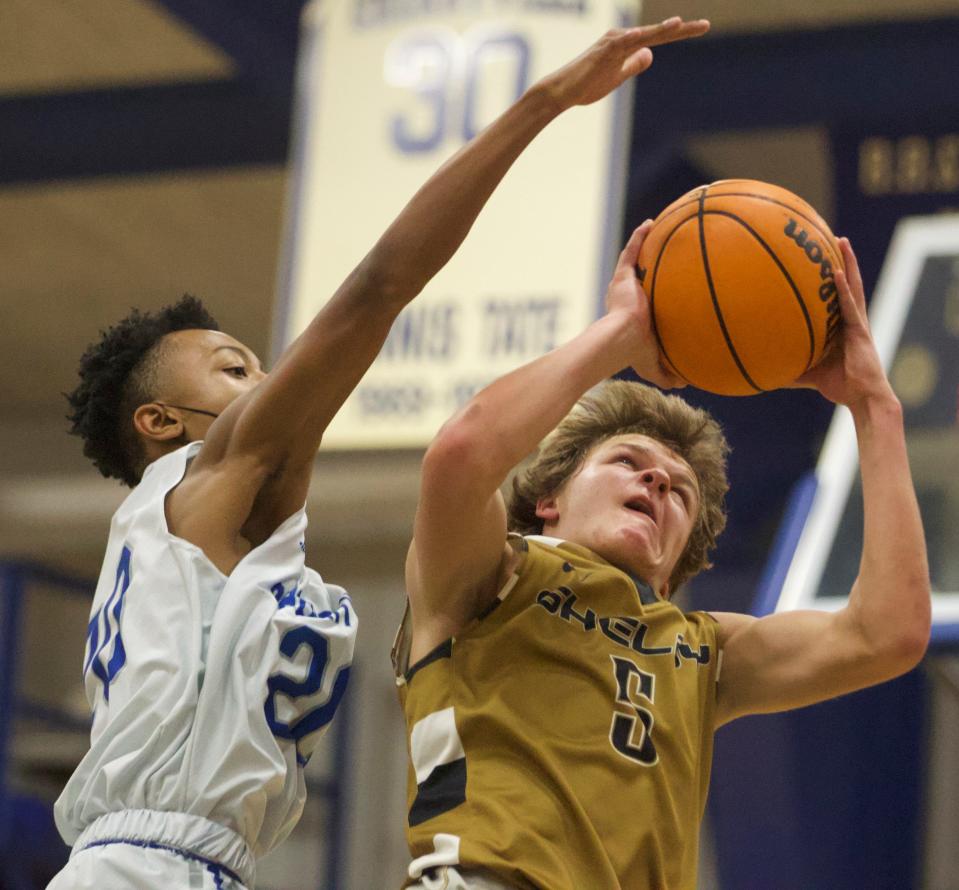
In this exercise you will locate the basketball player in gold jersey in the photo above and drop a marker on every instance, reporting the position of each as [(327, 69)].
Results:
[(560, 709)]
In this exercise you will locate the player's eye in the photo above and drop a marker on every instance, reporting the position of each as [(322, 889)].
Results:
[(236, 371), (626, 459)]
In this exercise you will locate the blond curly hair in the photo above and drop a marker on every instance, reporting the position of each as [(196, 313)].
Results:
[(619, 407)]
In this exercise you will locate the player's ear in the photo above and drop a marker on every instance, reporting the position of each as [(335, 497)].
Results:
[(547, 509), (157, 422)]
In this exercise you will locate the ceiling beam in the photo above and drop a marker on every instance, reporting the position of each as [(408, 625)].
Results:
[(903, 72), (141, 130)]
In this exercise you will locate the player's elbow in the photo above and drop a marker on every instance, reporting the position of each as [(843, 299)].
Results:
[(390, 285), (904, 654), (888, 620), (916, 621), (461, 448), (912, 639), (905, 639)]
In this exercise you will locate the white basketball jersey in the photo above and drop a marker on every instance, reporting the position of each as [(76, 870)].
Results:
[(209, 692)]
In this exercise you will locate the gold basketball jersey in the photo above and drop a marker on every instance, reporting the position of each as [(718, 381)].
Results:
[(563, 740)]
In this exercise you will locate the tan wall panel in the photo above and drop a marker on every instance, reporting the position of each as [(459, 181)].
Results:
[(51, 45)]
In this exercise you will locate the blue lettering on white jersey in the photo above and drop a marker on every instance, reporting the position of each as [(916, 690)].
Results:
[(109, 615)]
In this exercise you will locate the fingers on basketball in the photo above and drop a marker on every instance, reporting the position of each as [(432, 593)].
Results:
[(851, 269), (630, 253), (853, 315)]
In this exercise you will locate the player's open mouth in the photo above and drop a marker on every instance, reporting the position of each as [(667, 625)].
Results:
[(641, 507)]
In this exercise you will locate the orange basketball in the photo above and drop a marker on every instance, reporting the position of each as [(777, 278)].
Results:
[(739, 275)]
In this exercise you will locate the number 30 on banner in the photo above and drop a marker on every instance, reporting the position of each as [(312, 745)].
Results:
[(445, 70)]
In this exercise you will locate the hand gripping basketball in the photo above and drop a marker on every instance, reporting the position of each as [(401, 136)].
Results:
[(741, 282), (626, 294)]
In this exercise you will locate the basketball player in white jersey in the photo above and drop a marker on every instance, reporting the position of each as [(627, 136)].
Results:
[(215, 659)]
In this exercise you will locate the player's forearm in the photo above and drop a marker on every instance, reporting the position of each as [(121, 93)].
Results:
[(422, 239), (439, 216), (509, 418), (339, 345), (891, 595)]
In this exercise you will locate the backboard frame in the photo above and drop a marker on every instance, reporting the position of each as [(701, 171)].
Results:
[(794, 570)]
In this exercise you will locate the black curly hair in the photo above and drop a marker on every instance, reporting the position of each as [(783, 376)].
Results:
[(117, 375)]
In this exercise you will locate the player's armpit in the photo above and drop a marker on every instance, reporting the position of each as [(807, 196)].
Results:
[(284, 418), (268, 437), (225, 509), (792, 659)]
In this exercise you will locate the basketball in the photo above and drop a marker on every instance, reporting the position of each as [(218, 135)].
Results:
[(739, 275)]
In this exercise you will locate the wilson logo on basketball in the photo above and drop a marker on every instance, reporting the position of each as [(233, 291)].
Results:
[(827, 290)]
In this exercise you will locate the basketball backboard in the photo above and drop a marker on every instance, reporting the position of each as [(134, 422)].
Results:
[(915, 321)]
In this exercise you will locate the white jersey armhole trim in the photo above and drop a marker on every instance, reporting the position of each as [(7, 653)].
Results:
[(546, 539)]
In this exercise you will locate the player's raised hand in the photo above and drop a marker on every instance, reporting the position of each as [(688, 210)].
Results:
[(619, 54), (851, 371), (626, 295)]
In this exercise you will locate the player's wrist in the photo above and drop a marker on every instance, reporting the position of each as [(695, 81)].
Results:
[(543, 101), (880, 404), (551, 94), (621, 338)]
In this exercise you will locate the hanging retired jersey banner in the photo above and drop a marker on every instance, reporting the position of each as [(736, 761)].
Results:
[(387, 90)]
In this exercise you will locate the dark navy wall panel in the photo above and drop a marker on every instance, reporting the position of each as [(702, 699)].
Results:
[(824, 797)]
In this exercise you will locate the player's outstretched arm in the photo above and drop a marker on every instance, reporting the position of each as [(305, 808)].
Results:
[(259, 453), (459, 556), (316, 374), (797, 658)]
